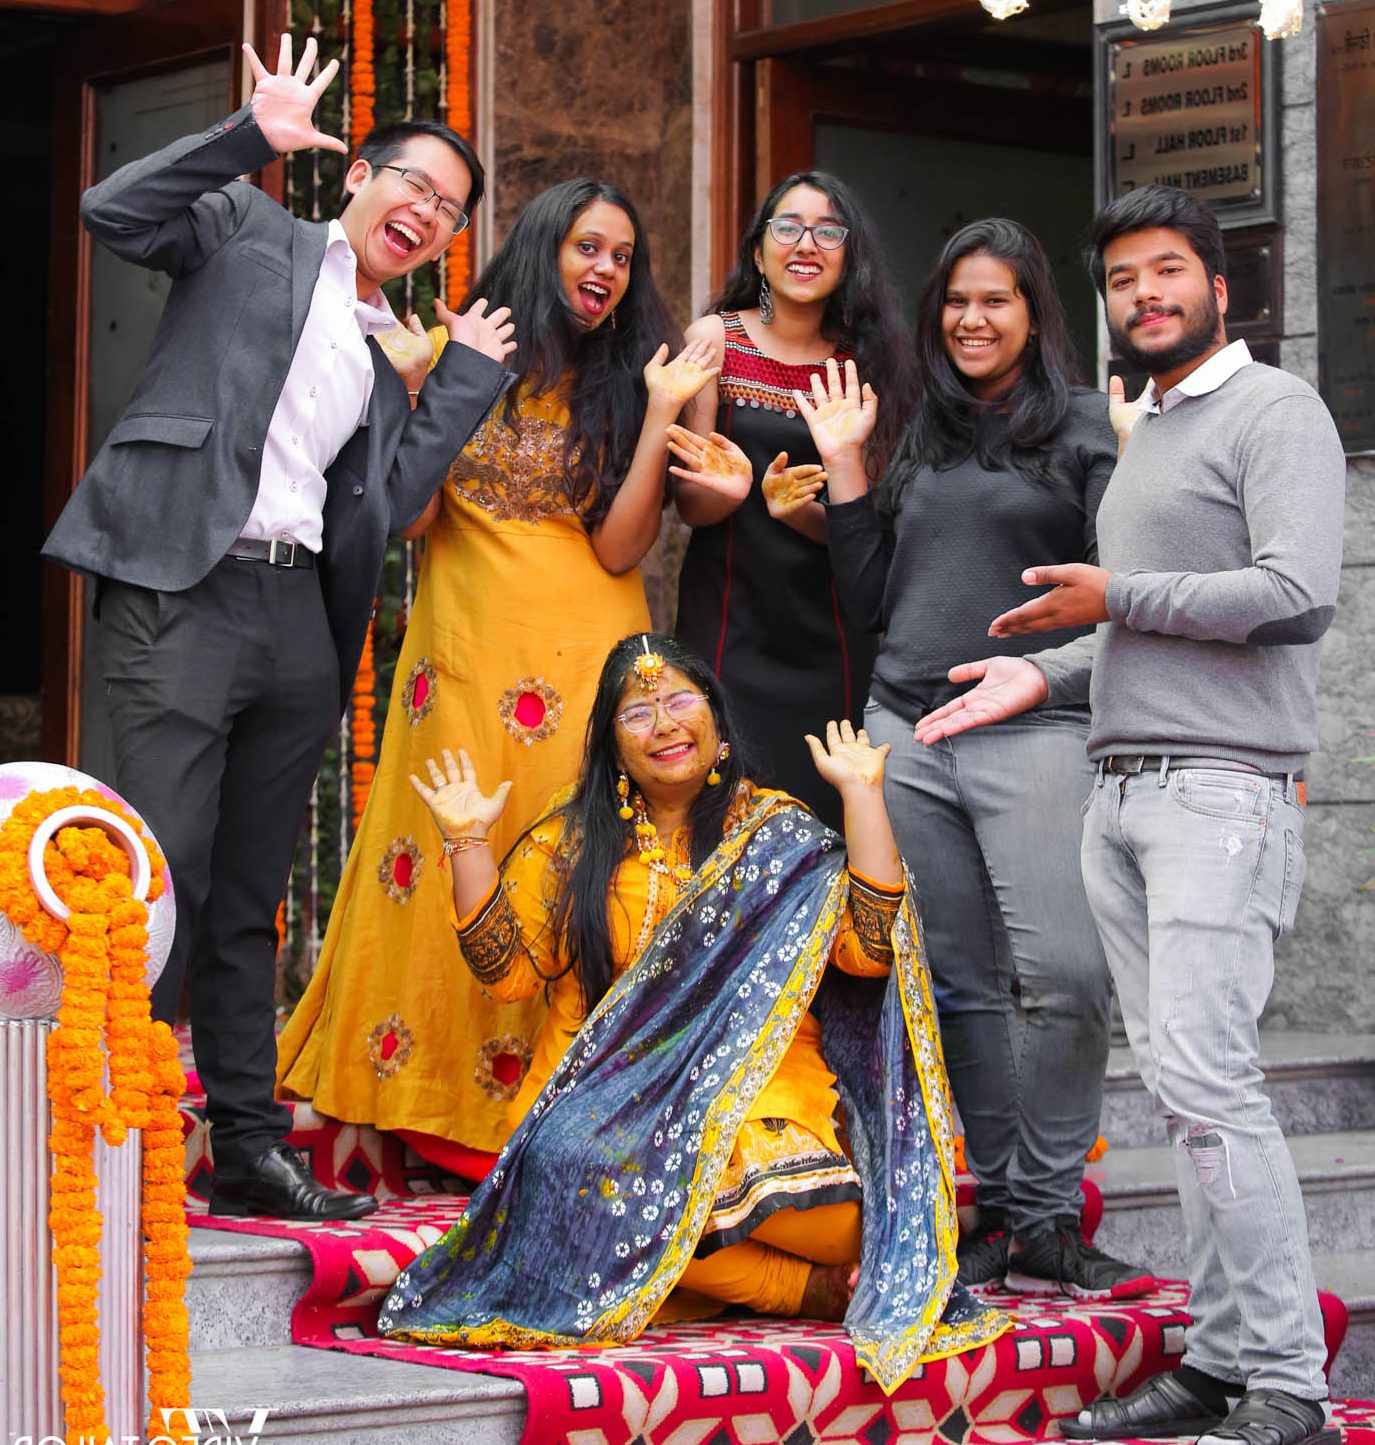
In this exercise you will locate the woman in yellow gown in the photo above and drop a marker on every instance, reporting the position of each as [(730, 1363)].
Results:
[(529, 575)]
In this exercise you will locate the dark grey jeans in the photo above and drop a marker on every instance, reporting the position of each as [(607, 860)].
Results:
[(989, 823)]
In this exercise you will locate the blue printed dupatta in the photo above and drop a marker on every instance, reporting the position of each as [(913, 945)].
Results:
[(598, 1199)]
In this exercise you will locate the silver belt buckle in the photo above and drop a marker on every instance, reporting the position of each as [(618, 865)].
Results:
[(281, 554), (1128, 763)]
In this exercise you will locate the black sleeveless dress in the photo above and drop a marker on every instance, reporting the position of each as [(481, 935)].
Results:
[(757, 600)]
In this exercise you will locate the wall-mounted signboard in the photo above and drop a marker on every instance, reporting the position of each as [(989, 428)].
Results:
[(1346, 218), (1191, 106)]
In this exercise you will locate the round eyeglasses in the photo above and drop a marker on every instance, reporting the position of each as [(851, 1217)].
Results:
[(827, 234), (416, 187), (639, 717)]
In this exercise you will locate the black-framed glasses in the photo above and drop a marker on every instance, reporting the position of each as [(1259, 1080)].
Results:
[(827, 234), (639, 716), (417, 188)]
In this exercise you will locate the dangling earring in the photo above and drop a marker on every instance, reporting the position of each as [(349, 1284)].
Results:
[(625, 812), (713, 777), (765, 300), (613, 320)]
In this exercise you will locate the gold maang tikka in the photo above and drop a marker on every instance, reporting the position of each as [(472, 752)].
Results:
[(648, 666)]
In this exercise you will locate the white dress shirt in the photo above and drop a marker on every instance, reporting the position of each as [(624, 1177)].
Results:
[(323, 402), (1220, 366)]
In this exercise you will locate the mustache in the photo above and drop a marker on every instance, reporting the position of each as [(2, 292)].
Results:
[(1137, 317)]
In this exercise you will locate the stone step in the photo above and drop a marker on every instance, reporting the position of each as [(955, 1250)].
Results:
[(1141, 1217), (1318, 1083), (243, 1288), (325, 1395)]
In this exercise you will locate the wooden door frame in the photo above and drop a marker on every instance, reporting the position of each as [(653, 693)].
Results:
[(758, 67), (739, 90), (122, 45)]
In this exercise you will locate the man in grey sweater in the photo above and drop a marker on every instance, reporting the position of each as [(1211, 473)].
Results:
[(1220, 543)]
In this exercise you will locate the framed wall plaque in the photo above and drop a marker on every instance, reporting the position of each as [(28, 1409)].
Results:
[(1192, 105), (1346, 218)]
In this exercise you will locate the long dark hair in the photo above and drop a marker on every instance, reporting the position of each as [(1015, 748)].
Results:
[(608, 399), (863, 314), (596, 838), (948, 422)]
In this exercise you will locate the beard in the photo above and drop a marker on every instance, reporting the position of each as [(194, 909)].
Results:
[(1200, 334)]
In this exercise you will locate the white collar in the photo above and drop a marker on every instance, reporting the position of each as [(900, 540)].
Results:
[(1221, 366), (373, 314)]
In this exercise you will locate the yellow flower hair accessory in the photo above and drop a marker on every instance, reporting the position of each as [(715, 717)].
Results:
[(648, 666)]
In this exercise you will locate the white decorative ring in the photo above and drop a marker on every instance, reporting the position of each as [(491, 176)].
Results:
[(123, 834)]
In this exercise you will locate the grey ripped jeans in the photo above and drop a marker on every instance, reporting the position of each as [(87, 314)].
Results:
[(1192, 875)]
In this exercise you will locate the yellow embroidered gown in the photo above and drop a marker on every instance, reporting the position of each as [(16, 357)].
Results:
[(513, 618)]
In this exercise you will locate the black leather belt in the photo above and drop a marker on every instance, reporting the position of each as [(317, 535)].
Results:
[(274, 553), (1133, 763)]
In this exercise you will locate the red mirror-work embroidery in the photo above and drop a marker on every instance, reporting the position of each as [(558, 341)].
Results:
[(400, 869), (530, 710), (419, 692)]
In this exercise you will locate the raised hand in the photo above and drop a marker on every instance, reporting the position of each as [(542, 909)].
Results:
[(492, 334), (714, 462), (1124, 414), (409, 350), (787, 489), (841, 414), (459, 807), (284, 104), (674, 383), (848, 761), (1006, 687)]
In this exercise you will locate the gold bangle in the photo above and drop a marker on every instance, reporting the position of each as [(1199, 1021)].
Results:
[(461, 845)]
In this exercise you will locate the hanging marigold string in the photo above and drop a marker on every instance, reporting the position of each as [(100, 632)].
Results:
[(458, 115), (103, 948), (364, 729), (362, 76)]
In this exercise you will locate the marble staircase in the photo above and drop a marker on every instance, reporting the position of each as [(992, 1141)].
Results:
[(243, 1288)]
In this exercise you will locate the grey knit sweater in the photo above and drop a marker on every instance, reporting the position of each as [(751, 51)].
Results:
[(1222, 528)]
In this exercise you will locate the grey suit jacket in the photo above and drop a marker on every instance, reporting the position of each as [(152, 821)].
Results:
[(175, 481)]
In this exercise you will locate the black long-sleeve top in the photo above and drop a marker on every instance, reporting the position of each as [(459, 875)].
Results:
[(934, 575)]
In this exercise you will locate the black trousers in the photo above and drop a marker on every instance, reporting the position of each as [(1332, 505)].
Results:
[(222, 699)]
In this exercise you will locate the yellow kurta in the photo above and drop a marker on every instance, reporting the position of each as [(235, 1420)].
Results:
[(513, 618), (799, 1101)]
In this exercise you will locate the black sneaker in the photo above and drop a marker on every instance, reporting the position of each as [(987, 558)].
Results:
[(1056, 1260), (982, 1256)]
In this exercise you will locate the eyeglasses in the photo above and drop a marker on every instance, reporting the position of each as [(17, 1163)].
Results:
[(827, 234), (640, 716), (417, 188)]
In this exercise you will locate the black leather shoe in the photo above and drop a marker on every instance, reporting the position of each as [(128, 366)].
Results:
[(1160, 1408), (278, 1185), (1274, 1417)]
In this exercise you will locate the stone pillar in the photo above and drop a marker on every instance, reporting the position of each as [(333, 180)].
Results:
[(1325, 969)]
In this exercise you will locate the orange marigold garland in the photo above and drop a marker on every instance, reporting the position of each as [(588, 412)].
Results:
[(362, 77), (103, 946), (363, 730), (458, 115)]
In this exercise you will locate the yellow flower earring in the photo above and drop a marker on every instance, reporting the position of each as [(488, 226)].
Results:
[(625, 812), (714, 777)]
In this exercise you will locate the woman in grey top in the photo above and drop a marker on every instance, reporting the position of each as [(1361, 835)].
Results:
[(1003, 463)]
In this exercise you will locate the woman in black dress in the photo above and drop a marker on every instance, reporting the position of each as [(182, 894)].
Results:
[(756, 597)]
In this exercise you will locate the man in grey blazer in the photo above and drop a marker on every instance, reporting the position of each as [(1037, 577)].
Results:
[(235, 521)]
